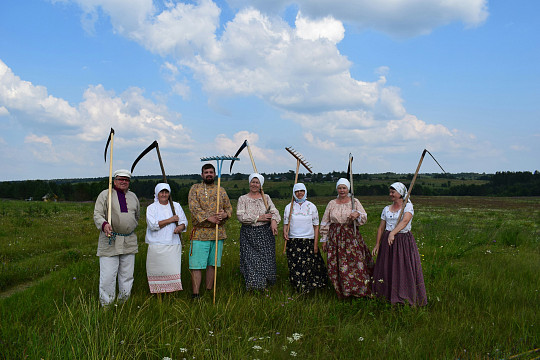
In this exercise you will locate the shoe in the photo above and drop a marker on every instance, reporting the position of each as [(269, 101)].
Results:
[(195, 296)]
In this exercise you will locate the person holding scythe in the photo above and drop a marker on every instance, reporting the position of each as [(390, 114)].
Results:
[(164, 258), (117, 244), (202, 200), (257, 236), (398, 276), (349, 261)]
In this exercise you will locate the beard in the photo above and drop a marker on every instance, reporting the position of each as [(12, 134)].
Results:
[(208, 181)]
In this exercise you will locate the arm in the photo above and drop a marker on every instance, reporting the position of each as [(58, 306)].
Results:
[(406, 218), (359, 214), (182, 219), (325, 225), (100, 214), (276, 218), (198, 214), (316, 238), (226, 211), (380, 231), (244, 216)]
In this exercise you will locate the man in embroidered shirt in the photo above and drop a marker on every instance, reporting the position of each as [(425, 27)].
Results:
[(202, 205), (117, 243)]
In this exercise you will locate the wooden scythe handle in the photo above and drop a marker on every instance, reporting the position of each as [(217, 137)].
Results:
[(292, 202)]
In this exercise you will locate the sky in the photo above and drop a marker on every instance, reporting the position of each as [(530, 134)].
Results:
[(381, 80)]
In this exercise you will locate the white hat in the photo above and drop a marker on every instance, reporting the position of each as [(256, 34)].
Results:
[(345, 182), (258, 176), (298, 187), (122, 172), (159, 187)]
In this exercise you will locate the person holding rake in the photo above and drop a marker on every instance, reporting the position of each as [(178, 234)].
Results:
[(349, 261), (398, 276)]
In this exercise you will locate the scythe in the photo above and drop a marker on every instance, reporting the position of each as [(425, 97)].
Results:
[(109, 203)]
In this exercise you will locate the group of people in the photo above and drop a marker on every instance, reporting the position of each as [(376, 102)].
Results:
[(350, 268)]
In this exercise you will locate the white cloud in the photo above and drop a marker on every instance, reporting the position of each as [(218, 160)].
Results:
[(4, 111), (37, 139), (325, 28)]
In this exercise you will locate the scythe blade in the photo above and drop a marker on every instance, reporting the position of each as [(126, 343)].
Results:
[(107, 146), (244, 145), (146, 151)]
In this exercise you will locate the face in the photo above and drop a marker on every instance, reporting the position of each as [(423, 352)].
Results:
[(299, 194), (254, 185), (208, 175), (122, 183), (342, 190), (163, 196), (394, 195)]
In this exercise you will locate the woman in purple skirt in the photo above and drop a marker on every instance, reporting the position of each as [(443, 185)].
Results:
[(398, 273)]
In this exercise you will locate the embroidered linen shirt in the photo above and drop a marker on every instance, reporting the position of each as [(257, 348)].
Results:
[(304, 217), (337, 214), (248, 210), (165, 235), (391, 218), (202, 200)]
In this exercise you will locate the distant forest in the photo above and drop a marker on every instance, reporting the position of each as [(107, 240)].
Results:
[(278, 185)]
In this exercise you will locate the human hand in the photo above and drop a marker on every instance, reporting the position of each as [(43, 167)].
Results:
[(390, 239), (273, 226), (315, 248), (174, 218), (107, 228), (324, 247), (265, 217), (214, 219), (375, 250)]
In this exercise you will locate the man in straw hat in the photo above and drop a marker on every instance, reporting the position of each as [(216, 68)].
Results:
[(117, 243), (202, 205)]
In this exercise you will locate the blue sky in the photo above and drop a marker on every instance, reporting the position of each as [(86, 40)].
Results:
[(381, 80)]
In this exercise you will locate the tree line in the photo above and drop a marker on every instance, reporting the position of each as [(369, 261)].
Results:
[(499, 184)]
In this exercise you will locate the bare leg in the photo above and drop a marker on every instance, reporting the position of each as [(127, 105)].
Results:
[(196, 277), (210, 270)]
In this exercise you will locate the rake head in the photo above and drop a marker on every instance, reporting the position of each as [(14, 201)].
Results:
[(300, 158), (219, 157)]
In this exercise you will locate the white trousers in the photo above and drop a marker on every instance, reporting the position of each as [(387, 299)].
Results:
[(109, 268)]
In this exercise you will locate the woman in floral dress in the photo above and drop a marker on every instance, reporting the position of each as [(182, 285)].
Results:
[(257, 236), (350, 264), (306, 265)]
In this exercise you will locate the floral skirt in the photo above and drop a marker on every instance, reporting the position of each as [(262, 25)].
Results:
[(398, 273), (257, 256), (307, 270), (350, 264)]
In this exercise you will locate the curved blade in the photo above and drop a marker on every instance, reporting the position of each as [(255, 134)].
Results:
[(349, 166), (108, 141), (148, 149), (435, 160), (244, 145)]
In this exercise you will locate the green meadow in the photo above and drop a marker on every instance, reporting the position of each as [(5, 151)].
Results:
[(481, 262)]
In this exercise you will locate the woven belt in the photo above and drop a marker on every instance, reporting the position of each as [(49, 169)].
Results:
[(115, 234)]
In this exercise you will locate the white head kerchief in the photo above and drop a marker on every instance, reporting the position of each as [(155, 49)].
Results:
[(158, 188), (345, 182), (297, 187), (258, 176), (401, 189)]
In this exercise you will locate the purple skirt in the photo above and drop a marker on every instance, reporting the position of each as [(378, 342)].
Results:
[(398, 273)]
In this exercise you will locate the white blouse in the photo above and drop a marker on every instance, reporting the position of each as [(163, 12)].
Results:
[(391, 217), (304, 217), (165, 235)]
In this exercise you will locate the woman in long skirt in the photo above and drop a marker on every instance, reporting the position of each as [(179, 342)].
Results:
[(163, 261), (349, 261), (398, 273), (257, 236), (307, 270)]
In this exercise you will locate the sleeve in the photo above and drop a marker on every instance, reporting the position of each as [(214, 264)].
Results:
[(273, 210), (138, 209), (182, 219), (286, 214), (325, 224), (242, 213), (152, 220), (363, 215), (227, 207), (100, 210), (409, 208), (314, 215), (198, 215)]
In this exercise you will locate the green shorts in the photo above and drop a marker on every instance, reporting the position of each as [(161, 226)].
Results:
[(202, 254)]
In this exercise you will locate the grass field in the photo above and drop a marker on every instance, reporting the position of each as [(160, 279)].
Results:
[(480, 257)]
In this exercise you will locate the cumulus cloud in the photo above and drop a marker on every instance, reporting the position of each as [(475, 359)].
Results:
[(38, 139)]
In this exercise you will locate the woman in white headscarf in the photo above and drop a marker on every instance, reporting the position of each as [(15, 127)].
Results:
[(398, 273), (350, 264), (306, 265), (163, 261), (257, 236)]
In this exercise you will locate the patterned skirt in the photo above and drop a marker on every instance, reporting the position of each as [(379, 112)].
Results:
[(307, 270), (398, 273), (350, 264), (163, 264), (257, 256)]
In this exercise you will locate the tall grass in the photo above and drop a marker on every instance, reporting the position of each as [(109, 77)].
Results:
[(481, 266)]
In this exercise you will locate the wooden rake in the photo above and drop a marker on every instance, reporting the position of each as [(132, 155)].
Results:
[(219, 161), (299, 160)]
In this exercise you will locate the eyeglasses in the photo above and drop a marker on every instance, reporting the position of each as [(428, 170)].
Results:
[(122, 179)]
